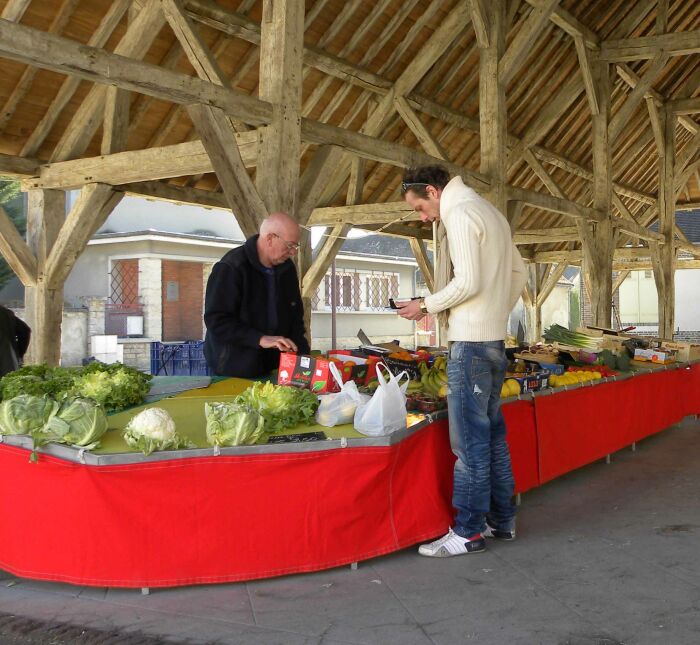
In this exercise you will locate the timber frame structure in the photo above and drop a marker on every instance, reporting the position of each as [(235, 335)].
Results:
[(577, 118)]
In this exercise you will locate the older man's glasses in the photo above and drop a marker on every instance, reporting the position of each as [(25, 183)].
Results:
[(291, 246), (407, 185)]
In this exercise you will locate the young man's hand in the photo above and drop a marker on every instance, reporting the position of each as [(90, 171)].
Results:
[(409, 309)]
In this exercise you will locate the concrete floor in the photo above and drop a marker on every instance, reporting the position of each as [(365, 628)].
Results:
[(607, 554)]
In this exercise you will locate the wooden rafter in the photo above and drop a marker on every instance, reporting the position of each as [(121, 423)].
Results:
[(424, 264), (219, 140), (90, 211), (22, 87), (674, 44), (15, 251), (522, 43), (135, 43), (111, 19)]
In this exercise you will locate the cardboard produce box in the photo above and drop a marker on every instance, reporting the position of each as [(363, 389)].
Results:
[(309, 372), (353, 367), (684, 351), (655, 355)]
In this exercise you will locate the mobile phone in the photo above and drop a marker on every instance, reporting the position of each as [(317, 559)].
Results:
[(393, 305)]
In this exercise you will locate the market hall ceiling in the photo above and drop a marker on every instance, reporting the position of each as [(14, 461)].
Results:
[(356, 54)]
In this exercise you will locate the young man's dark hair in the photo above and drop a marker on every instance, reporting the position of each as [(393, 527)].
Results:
[(417, 179)]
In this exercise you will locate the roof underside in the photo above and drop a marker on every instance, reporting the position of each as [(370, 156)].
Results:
[(381, 37)]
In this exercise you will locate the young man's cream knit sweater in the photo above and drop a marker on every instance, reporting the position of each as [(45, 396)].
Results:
[(489, 274)]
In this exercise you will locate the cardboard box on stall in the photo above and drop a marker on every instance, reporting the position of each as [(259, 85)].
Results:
[(684, 351), (310, 372), (359, 369)]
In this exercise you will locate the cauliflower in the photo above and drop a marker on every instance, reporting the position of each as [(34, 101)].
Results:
[(153, 429)]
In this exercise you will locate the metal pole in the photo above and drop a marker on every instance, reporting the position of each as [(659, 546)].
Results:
[(334, 302), (435, 263)]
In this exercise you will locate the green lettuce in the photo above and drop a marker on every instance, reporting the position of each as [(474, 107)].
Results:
[(78, 422), (26, 414), (233, 424), (282, 406)]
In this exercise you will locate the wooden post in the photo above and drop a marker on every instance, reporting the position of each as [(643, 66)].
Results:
[(492, 106), (44, 305), (598, 241), (664, 261), (281, 54)]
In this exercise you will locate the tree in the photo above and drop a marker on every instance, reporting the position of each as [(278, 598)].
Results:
[(12, 201)]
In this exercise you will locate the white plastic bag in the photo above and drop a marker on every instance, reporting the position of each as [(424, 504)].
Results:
[(386, 410), (339, 407)]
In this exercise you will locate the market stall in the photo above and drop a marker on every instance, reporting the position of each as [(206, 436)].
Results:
[(207, 515)]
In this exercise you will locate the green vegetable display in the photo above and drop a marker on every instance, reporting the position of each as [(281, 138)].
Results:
[(282, 406), (26, 414), (233, 424), (78, 422), (113, 386), (153, 429), (564, 336)]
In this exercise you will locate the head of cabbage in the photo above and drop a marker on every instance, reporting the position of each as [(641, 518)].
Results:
[(78, 422), (26, 414), (233, 424), (153, 429)]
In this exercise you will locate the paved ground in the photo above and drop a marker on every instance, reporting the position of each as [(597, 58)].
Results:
[(605, 555)]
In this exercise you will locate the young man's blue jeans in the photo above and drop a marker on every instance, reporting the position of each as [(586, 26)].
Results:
[(483, 477)]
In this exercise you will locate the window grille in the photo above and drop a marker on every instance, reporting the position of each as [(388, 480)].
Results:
[(123, 296), (357, 291)]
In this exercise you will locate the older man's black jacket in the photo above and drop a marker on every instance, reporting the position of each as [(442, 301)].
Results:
[(14, 340), (236, 313)]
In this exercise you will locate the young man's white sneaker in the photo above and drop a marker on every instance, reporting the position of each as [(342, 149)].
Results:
[(452, 544)]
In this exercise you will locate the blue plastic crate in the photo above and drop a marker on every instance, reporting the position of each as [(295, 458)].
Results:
[(178, 359)]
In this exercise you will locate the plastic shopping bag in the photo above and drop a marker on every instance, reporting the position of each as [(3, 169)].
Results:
[(339, 408), (386, 410)]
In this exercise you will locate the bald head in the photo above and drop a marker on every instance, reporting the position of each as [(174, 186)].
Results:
[(278, 240), (281, 224)]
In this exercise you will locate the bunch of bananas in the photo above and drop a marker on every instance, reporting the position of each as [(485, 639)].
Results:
[(434, 379)]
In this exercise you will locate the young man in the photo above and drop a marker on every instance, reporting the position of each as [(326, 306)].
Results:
[(488, 276), (253, 309)]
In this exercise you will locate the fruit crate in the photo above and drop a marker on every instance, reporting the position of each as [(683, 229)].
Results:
[(179, 359), (396, 366)]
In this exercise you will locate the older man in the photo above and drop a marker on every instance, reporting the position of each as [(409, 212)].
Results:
[(475, 292), (253, 309)]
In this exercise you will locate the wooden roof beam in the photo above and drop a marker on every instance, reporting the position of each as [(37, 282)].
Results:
[(70, 85), (16, 251), (219, 140), (628, 75), (554, 204), (332, 243), (623, 115), (175, 194), (238, 25), (571, 25), (14, 10), (90, 211), (515, 55), (546, 235), (68, 57), (18, 166), (58, 22), (178, 160), (680, 43), (685, 106), (135, 43)]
